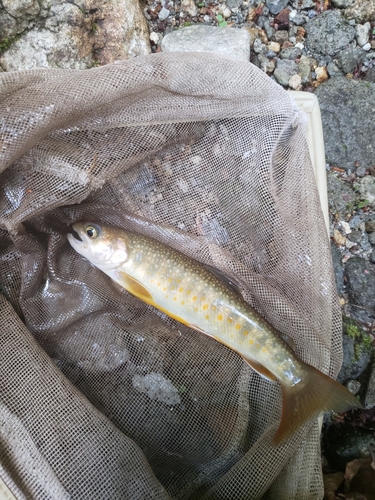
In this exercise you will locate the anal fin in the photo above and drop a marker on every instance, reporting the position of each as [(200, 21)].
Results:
[(259, 368)]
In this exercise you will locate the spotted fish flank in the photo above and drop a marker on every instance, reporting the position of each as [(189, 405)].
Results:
[(196, 296)]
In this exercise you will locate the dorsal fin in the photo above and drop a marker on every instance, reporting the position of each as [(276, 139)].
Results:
[(228, 281)]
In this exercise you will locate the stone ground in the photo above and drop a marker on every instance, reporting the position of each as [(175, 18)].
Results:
[(321, 46)]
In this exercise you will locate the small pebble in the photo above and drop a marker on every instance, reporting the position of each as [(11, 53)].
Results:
[(163, 14), (345, 226), (361, 171), (369, 226), (274, 46), (321, 74), (154, 37), (367, 46), (258, 46), (338, 237), (295, 82), (353, 386), (371, 238)]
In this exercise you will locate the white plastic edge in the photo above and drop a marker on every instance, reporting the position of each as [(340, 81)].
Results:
[(314, 134), (5, 493)]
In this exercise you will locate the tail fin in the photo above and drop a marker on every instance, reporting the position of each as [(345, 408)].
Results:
[(306, 400)]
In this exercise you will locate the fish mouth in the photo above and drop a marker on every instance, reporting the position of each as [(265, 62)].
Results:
[(75, 234)]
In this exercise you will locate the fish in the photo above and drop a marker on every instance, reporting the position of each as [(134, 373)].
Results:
[(203, 299)]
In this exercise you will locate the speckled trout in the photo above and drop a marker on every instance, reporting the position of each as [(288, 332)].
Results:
[(190, 293)]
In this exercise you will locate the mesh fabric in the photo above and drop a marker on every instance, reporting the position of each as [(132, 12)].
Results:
[(208, 155)]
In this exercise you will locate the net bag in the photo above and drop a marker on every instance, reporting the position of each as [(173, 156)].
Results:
[(102, 396)]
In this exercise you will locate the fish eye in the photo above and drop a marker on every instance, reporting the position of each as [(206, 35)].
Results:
[(92, 231)]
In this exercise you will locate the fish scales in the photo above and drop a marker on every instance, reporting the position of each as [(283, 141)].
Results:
[(187, 291)]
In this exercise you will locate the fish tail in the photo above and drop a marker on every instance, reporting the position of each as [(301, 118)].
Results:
[(308, 399)]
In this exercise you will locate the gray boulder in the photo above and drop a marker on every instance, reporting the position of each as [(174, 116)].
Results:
[(348, 125), (328, 34)]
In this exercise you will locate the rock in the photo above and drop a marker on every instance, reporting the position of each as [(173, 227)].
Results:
[(282, 19), (321, 74), (258, 46), (361, 11), (163, 14), (297, 19), (367, 47), (342, 4), (270, 30), (265, 64), (274, 46), (154, 37), (355, 222), (276, 6), (353, 386), (372, 256), (284, 70), (234, 4), (339, 238), (344, 443), (367, 189), (27, 9), (371, 238), (72, 38), (308, 4), (200, 38), (349, 58), (224, 11), (328, 34), (341, 197), (304, 69), (189, 7), (333, 70), (355, 236), (337, 268), (281, 36), (9, 26), (356, 359), (370, 226), (370, 75), (360, 276), (370, 392), (360, 171), (291, 53), (346, 107), (362, 32), (253, 32), (295, 82), (252, 14)]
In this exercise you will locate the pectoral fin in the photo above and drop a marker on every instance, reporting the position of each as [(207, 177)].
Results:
[(135, 287)]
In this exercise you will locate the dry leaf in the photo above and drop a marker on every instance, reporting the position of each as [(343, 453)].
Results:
[(360, 477), (331, 484)]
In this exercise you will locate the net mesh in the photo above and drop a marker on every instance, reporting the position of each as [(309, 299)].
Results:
[(103, 396)]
